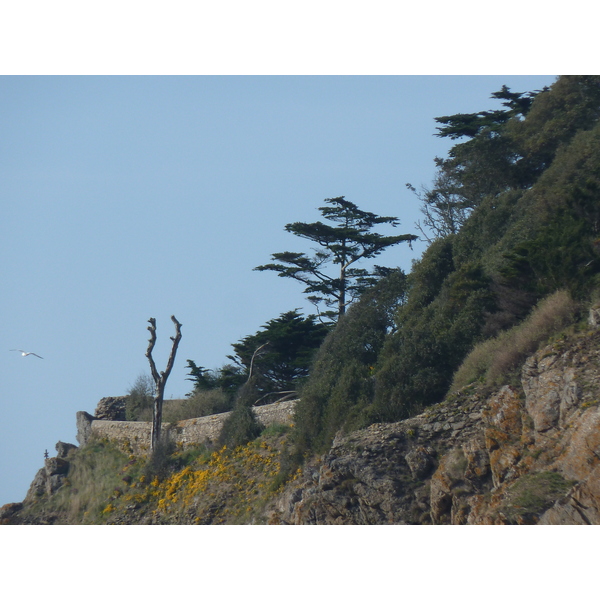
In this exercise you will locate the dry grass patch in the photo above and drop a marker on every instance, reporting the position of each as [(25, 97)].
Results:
[(493, 360)]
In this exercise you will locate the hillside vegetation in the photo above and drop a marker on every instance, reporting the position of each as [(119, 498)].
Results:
[(527, 187), (513, 217)]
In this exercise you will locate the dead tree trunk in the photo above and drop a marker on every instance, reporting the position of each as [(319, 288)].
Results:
[(160, 380)]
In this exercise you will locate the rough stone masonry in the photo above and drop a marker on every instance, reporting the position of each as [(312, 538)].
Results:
[(136, 434)]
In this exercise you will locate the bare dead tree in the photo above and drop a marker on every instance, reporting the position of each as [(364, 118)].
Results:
[(252, 360), (160, 379)]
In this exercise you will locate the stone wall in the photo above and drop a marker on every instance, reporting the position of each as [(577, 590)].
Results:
[(136, 434)]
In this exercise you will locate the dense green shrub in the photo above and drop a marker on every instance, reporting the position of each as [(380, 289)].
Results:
[(486, 226), (572, 104), (428, 274), (241, 426), (341, 384), (561, 245), (417, 363)]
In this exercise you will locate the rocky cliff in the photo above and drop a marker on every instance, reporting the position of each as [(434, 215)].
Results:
[(526, 454)]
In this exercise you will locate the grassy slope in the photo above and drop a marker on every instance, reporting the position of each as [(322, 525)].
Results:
[(105, 485)]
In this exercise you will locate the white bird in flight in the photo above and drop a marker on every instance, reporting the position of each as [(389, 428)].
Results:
[(23, 353)]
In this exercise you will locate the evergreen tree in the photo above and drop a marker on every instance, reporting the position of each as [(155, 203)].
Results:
[(490, 162), (275, 359), (344, 244), (229, 378), (204, 379), (287, 346)]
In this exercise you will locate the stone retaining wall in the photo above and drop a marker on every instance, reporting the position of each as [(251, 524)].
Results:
[(136, 434)]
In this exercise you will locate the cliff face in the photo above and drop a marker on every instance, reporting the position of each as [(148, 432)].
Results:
[(526, 454)]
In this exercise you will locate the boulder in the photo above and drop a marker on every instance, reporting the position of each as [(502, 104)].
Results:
[(84, 427), (56, 466), (111, 408), (8, 511), (63, 449), (420, 461)]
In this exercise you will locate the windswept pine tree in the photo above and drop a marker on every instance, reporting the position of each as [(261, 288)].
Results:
[(350, 240)]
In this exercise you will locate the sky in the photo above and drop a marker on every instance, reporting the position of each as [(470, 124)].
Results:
[(130, 197)]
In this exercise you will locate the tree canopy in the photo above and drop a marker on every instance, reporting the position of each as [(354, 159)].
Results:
[(277, 358), (489, 162), (350, 240), (286, 348)]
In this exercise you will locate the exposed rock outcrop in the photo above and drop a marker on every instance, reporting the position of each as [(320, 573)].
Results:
[(526, 454), (49, 478), (63, 449), (84, 427), (111, 408), (9, 511)]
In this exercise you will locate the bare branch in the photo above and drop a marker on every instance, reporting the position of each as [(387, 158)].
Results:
[(165, 374), (285, 396), (151, 343), (420, 228), (252, 360)]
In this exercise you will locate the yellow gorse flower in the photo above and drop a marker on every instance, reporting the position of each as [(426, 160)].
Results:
[(230, 481)]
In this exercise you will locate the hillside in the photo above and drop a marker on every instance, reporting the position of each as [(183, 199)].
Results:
[(524, 454), (463, 392)]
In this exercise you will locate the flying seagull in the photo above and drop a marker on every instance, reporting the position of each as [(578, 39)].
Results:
[(23, 353)]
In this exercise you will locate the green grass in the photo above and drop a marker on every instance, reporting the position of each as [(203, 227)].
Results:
[(95, 476), (534, 494)]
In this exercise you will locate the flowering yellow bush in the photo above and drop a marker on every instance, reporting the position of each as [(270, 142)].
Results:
[(244, 472), (108, 509), (231, 485)]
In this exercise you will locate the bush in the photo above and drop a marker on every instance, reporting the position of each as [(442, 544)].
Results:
[(241, 426), (417, 363), (199, 404), (341, 381), (494, 359), (140, 398)]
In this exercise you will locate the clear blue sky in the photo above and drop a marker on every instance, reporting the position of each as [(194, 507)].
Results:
[(125, 198)]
